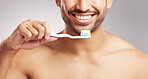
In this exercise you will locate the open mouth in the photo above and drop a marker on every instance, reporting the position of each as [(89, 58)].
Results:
[(83, 18)]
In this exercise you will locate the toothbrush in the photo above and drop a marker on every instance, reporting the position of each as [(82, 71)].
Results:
[(84, 34)]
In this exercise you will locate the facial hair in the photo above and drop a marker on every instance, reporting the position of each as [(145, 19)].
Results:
[(96, 25)]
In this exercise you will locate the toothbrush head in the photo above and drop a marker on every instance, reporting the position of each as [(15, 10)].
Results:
[(86, 33)]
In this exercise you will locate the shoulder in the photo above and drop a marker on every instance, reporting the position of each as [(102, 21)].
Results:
[(141, 64), (130, 56), (126, 49), (136, 61)]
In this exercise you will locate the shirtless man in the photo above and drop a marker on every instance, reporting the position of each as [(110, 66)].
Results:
[(30, 52)]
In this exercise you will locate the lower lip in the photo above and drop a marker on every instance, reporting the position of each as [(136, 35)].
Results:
[(87, 21)]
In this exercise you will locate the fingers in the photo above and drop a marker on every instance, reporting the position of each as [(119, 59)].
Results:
[(34, 30), (24, 32), (47, 28), (49, 40), (39, 28)]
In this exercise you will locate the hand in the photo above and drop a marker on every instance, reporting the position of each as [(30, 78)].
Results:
[(29, 34)]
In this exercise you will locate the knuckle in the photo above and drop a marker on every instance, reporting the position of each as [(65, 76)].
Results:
[(35, 33), (45, 24), (48, 32), (42, 29), (29, 20), (24, 22), (21, 26), (39, 37), (29, 35)]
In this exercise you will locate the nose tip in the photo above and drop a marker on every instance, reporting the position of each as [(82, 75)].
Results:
[(83, 5)]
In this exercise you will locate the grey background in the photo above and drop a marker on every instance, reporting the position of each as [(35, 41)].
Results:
[(127, 19)]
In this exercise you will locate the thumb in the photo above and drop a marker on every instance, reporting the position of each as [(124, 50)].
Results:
[(51, 39), (48, 40)]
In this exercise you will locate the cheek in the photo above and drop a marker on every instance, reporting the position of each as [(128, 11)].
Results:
[(67, 5), (100, 5)]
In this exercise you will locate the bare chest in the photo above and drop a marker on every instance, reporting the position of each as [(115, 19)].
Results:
[(80, 71)]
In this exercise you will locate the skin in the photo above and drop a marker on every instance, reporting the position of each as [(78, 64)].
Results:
[(28, 54)]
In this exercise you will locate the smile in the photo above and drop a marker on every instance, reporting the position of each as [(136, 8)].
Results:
[(83, 18)]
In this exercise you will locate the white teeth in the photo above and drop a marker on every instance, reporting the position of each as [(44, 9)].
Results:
[(83, 17)]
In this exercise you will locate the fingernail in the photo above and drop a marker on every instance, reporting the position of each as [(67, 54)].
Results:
[(47, 37)]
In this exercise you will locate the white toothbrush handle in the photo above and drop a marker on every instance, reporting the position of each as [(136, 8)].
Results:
[(55, 35), (60, 35), (67, 35)]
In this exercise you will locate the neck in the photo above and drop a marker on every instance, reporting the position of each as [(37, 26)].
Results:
[(89, 45)]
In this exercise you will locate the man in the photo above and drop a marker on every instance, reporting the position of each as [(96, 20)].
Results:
[(31, 53)]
